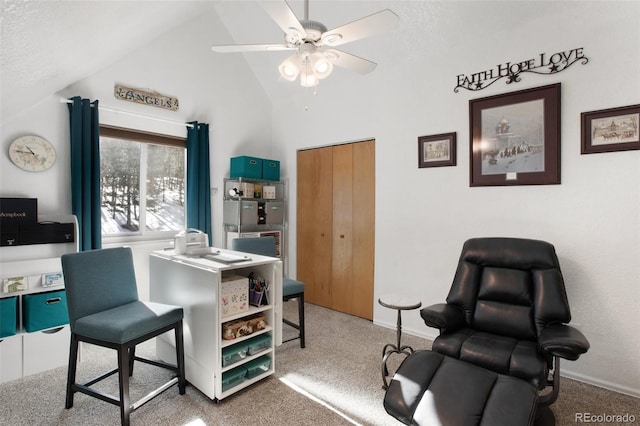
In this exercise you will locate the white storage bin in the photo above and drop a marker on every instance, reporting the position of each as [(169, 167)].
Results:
[(10, 358), (47, 349)]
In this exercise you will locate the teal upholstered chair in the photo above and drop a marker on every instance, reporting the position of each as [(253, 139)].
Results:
[(291, 289), (104, 310)]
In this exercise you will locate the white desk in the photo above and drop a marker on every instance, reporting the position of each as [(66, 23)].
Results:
[(194, 283)]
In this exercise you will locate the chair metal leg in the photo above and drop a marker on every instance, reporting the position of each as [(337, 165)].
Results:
[(300, 325), (71, 372), (126, 358), (132, 357), (550, 397), (301, 319), (182, 381), (123, 373)]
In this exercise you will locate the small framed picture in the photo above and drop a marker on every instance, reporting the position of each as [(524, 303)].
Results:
[(437, 150), (52, 279), (608, 130)]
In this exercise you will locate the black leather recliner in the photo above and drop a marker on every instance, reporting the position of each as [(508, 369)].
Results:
[(505, 319)]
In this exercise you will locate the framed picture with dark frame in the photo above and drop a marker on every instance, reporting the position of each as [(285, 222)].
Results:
[(515, 138), (608, 130), (437, 150)]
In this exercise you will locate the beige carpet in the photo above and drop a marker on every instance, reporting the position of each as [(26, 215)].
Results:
[(335, 380)]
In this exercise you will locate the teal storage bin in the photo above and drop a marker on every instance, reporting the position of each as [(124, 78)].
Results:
[(44, 310), (258, 366), (246, 167), (270, 169), (234, 353), (258, 344), (233, 378), (8, 315)]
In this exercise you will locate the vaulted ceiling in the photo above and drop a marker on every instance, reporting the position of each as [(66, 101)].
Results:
[(46, 45)]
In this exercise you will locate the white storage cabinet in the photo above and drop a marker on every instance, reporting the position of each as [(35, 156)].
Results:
[(26, 353), (195, 283)]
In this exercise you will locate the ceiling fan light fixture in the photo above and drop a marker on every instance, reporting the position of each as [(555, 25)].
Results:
[(308, 77), (310, 39), (289, 68), (321, 66)]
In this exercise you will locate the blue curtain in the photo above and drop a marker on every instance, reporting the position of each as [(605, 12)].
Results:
[(198, 179), (85, 171)]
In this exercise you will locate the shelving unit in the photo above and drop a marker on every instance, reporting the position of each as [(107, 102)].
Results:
[(27, 353), (195, 284), (252, 213)]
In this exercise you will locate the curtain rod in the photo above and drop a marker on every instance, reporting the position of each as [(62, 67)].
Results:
[(134, 114)]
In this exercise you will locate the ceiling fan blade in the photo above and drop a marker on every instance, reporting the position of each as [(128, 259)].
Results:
[(238, 48), (378, 23), (349, 61), (281, 12)]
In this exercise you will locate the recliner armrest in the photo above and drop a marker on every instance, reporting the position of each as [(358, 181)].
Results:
[(446, 317), (564, 341)]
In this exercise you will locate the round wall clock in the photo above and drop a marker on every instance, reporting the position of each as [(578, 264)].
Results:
[(32, 153)]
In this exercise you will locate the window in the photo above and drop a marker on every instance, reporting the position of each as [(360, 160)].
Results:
[(142, 184)]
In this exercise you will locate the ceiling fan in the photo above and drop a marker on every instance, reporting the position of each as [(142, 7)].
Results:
[(314, 45)]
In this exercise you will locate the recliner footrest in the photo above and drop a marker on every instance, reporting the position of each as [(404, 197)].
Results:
[(431, 388)]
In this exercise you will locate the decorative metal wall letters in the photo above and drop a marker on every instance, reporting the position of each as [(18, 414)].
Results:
[(145, 97), (543, 64)]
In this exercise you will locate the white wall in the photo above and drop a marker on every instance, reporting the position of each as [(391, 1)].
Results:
[(224, 94), (423, 216), (48, 119)]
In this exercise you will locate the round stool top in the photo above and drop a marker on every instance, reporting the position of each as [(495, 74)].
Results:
[(397, 301)]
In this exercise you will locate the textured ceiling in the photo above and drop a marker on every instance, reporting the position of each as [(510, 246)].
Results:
[(46, 45)]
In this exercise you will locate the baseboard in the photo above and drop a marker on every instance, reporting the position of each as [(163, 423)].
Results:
[(564, 372), (425, 333), (431, 334)]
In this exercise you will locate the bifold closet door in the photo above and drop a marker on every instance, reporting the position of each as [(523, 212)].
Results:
[(342, 250), (314, 223), (335, 223), (363, 229)]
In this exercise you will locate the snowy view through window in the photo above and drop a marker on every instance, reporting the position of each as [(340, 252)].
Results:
[(131, 205)]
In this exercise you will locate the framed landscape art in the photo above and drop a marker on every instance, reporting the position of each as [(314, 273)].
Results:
[(437, 150), (608, 130), (515, 138)]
